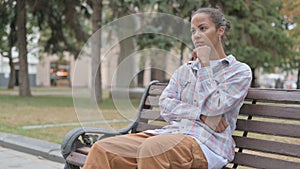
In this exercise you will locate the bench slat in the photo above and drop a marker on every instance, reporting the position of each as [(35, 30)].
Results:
[(275, 95), (152, 101), (151, 115), (145, 126), (83, 150), (263, 162), (268, 146), (271, 111), (77, 159), (157, 89), (278, 129)]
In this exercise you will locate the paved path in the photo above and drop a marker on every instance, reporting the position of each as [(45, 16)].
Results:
[(19, 152), (11, 159)]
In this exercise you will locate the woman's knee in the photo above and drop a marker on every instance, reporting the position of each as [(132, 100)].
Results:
[(158, 145)]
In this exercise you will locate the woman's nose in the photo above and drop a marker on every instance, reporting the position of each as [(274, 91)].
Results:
[(197, 35)]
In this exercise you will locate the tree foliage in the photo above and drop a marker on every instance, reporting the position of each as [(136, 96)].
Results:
[(61, 24), (291, 12), (257, 37)]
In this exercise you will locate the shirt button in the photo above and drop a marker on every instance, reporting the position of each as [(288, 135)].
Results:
[(195, 100)]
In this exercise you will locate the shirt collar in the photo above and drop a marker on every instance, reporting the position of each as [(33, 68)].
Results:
[(227, 61)]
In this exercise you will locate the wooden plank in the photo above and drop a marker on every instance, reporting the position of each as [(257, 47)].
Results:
[(83, 150), (263, 162), (272, 128), (157, 88), (275, 95), (77, 159), (254, 93), (145, 126), (268, 146), (283, 112), (152, 101), (151, 115)]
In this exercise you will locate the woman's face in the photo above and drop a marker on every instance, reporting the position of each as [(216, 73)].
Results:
[(204, 31)]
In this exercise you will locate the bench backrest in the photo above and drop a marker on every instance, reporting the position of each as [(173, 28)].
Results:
[(268, 127)]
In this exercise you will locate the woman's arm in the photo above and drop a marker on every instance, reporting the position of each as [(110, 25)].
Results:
[(219, 97), (171, 105)]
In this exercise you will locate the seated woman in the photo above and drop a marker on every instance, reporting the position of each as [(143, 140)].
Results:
[(201, 104)]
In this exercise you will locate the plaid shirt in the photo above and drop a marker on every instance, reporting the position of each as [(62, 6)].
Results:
[(211, 91)]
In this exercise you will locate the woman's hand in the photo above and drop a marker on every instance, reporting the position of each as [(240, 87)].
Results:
[(203, 54), (217, 123)]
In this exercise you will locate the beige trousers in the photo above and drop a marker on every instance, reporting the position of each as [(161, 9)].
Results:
[(145, 151)]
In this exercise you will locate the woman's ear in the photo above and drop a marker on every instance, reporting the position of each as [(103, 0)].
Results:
[(221, 31)]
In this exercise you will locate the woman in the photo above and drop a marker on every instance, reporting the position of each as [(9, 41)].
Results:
[(201, 104)]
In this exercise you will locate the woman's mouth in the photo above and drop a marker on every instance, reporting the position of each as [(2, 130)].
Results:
[(198, 44)]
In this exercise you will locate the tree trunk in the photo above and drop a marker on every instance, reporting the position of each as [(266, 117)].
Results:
[(12, 40), (11, 82), (126, 64), (253, 83), (24, 88), (140, 77), (158, 70), (96, 52), (298, 79)]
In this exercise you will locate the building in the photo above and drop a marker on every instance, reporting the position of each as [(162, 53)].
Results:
[(53, 71), (5, 70)]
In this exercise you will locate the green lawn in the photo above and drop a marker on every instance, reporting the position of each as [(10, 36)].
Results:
[(17, 112)]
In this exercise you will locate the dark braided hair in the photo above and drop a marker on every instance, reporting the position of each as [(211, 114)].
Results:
[(216, 17)]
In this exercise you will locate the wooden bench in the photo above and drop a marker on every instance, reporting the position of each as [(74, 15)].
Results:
[(267, 133)]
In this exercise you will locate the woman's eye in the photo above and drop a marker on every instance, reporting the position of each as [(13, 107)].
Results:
[(202, 29), (193, 31)]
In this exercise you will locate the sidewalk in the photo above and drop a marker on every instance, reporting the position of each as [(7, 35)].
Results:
[(11, 159), (19, 152)]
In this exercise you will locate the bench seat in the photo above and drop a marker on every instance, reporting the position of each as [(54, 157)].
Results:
[(267, 133)]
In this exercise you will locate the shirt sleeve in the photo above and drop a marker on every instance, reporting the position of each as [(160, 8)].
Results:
[(225, 92), (172, 107), (219, 95)]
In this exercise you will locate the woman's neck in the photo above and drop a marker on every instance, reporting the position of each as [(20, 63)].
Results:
[(219, 51)]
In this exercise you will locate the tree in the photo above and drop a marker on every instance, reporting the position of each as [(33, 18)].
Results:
[(254, 23), (96, 47), (62, 30), (8, 35), (127, 46), (291, 12), (182, 9), (59, 23), (24, 89), (258, 37)]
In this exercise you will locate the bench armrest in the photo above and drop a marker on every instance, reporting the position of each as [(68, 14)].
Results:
[(71, 141)]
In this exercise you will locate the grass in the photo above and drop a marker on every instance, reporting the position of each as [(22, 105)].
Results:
[(17, 112)]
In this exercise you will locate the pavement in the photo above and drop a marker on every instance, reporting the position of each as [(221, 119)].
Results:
[(20, 152)]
